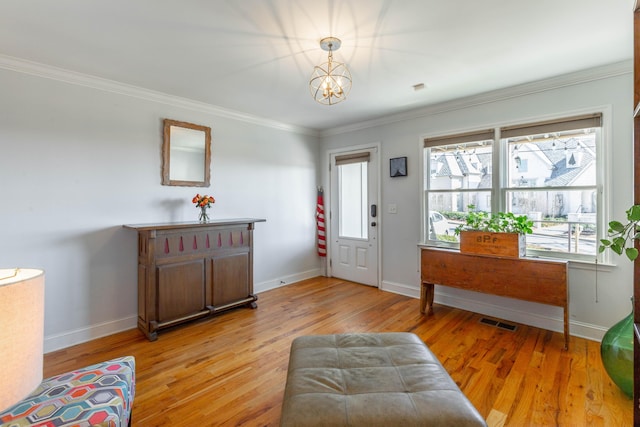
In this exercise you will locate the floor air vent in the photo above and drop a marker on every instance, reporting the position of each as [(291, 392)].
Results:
[(497, 324)]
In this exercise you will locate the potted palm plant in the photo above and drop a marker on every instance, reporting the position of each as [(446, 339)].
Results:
[(500, 234)]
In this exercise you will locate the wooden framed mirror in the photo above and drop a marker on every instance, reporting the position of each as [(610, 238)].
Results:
[(186, 154)]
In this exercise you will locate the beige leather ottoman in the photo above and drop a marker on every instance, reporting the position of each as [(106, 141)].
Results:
[(385, 379)]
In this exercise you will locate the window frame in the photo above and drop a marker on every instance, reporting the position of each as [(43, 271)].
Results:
[(500, 188)]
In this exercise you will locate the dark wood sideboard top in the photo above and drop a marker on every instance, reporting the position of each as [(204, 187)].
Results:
[(191, 224)]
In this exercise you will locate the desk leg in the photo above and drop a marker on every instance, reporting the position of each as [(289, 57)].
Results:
[(426, 298), (566, 326)]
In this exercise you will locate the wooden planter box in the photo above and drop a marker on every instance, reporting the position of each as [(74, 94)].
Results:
[(510, 245)]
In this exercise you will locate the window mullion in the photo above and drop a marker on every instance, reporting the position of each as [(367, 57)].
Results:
[(558, 188), (497, 193)]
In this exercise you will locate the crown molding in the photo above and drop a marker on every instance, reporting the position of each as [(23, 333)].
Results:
[(72, 77), (564, 80)]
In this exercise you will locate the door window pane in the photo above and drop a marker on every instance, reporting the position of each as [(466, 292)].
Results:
[(352, 200)]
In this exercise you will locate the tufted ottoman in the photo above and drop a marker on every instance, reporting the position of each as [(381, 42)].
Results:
[(98, 395), (385, 379)]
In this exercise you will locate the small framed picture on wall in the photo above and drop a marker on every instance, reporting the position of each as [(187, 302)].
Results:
[(398, 167)]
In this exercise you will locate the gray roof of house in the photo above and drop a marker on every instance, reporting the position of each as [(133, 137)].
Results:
[(554, 151)]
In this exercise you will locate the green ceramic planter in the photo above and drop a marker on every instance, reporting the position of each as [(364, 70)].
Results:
[(616, 350)]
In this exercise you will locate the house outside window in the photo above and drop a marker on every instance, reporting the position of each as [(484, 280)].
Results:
[(548, 171)]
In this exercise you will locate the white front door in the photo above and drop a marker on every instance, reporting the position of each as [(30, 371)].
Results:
[(354, 216)]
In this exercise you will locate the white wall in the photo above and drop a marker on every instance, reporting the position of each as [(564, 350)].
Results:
[(76, 163), (401, 135)]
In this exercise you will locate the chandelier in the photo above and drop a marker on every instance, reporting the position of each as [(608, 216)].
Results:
[(330, 81)]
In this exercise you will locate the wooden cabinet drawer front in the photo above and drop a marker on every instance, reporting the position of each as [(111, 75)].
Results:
[(198, 241)]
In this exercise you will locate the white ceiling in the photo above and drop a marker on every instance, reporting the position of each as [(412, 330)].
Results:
[(256, 56)]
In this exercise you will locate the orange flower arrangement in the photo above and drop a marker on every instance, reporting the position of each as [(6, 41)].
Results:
[(203, 201)]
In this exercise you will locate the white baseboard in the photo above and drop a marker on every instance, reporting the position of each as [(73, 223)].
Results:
[(78, 336), (91, 332), (285, 280), (587, 330), (400, 288), (500, 311), (579, 329)]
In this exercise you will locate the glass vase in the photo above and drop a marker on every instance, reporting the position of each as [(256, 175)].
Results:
[(203, 217), (616, 350)]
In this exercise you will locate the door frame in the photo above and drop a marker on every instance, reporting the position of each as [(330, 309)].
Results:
[(329, 208)]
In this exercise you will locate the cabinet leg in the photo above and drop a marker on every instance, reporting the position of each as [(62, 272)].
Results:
[(149, 329), (151, 336), (253, 304)]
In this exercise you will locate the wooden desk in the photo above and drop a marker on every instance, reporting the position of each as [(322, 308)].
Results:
[(528, 279)]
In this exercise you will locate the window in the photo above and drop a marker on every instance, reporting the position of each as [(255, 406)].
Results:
[(352, 195), (547, 170), (459, 175)]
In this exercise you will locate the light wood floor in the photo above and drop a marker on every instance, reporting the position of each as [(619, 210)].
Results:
[(230, 369)]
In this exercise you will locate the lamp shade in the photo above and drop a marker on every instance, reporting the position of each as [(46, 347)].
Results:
[(21, 333)]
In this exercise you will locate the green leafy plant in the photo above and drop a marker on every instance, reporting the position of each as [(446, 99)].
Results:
[(501, 222), (623, 236)]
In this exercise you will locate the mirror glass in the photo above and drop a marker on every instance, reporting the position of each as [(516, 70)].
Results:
[(186, 153)]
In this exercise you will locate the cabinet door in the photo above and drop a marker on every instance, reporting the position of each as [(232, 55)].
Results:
[(230, 278), (181, 289)]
